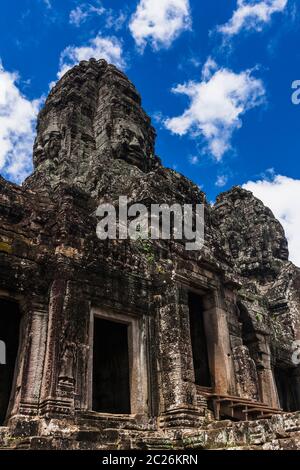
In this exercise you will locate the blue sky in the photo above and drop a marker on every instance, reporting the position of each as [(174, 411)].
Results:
[(215, 76)]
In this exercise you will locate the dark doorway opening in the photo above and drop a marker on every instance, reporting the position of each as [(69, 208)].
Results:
[(9, 336), (111, 375), (287, 384), (199, 341)]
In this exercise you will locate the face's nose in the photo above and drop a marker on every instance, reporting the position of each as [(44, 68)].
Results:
[(39, 150), (134, 142)]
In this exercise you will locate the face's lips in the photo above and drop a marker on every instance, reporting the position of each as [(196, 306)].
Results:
[(136, 153), (39, 151)]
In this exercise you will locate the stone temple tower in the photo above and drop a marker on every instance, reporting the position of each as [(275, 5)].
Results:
[(93, 115), (137, 343)]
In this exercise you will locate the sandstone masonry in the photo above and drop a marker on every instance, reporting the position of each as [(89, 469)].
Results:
[(126, 344)]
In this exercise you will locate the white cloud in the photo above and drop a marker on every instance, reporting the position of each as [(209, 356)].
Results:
[(252, 14), (114, 20), (217, 103), (160, 22), (282, 195), (221, 181), (17, 128), (81, 13), (48, 3), (195, 61), (108, 48), (194, 160), (209, 68)]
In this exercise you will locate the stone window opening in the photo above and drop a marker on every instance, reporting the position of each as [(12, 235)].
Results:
[(10, 319), (118, 378)]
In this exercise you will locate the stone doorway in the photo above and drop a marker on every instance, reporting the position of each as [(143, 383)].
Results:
[(199, 341), (287, 383), (9, 336), (111, 382), (118, 366)]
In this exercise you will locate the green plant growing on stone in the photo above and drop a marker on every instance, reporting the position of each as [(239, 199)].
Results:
[(160, 269), (259, 317), (146, 248)]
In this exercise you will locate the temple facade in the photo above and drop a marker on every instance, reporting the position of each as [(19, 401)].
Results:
[(137, 343)]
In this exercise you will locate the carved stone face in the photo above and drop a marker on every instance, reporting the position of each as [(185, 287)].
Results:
[(283, 250), (234, 245), (130, 142), (47, 146)]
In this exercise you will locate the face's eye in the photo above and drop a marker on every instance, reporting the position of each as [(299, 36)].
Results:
[(126, 133)]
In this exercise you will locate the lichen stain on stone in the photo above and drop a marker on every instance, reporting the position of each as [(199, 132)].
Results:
[(67, 251), (5, 247)]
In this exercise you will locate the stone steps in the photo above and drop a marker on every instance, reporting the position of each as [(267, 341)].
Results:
[(4, 436), (279, 432), (258, 438), (24, 444)]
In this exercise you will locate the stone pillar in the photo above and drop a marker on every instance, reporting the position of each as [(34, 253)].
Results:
[(178, 400), (266, 380), (64, 385), (32, 372), (55, 305), (29, 367), (218, 344)]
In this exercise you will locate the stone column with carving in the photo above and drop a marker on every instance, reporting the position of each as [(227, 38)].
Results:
[(29, 367), (266, 380), (34, 360), (218, 344), (178, 400), (64, 385), (49, 400)]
